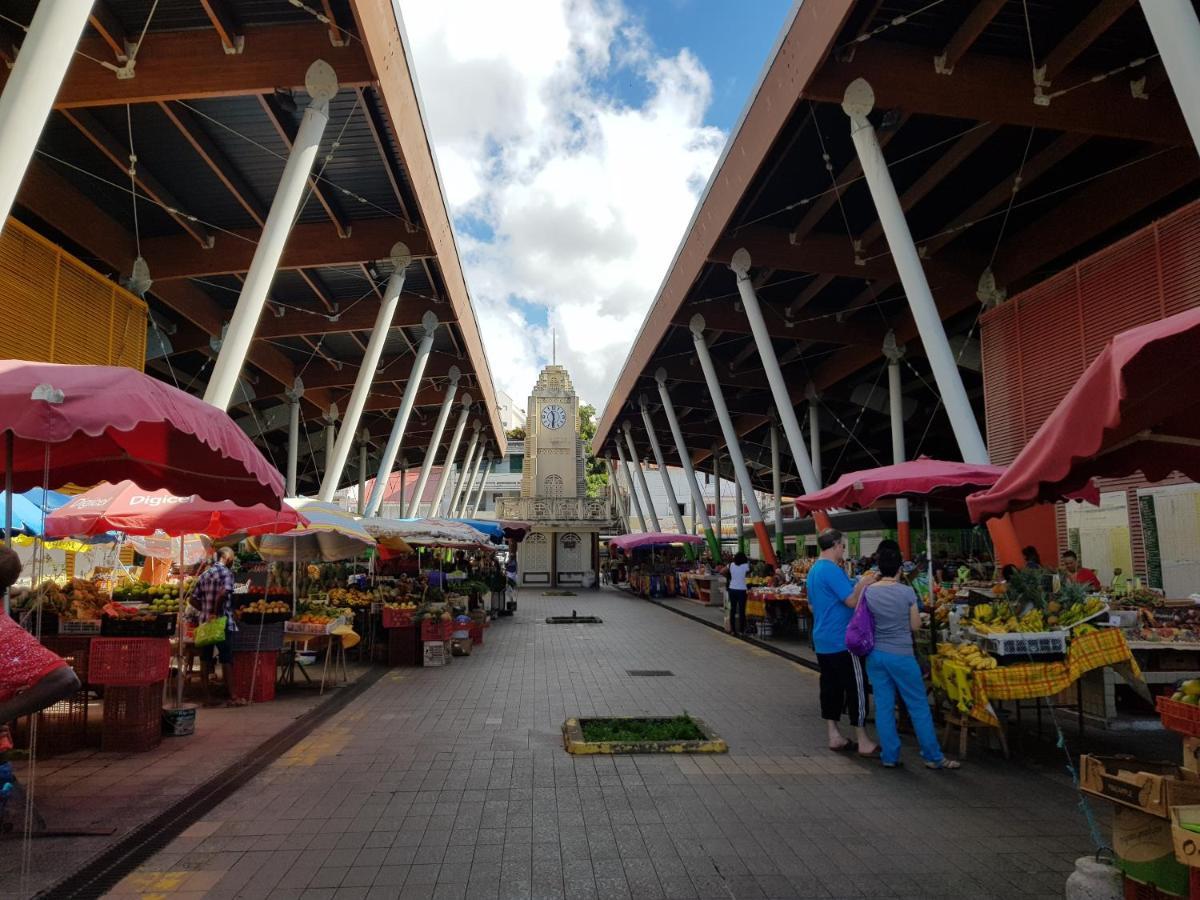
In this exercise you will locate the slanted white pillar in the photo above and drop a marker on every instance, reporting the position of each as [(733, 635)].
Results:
[(435, 443), (363, 441), (331, 420), (293, 457), (429, 322), (894, 352), (487, 470), (736, 459), (814, 433), (469, 482), (857, 103), (451, 453), (777, 489), (668, 487), (468, 461), (321, 84), (699, 508), (784, 409), (336, 463), (639, 470), (1176, 32), (614, 492), (45, 55), (716, 467), (637, 504), (739, 516)]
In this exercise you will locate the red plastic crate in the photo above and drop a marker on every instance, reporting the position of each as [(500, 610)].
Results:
[(1181, 717), (128, 662), (404, 646), (254, 677), (475, 630), (132, 718), (435, 630), (397, 618)]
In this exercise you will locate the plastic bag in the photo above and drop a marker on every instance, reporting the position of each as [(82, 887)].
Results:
[(211, 632)]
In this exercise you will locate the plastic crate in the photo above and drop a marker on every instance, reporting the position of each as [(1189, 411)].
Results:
[(125, 662), (1140, 890), (1181, 717), (1021, 645), (61, 727), (434, 653), (404, 646), (75, 650), (257, 638), (436, 630), (397, 618), (79, 627), (294, 627), (475, 629), (132, 718), (158, 627), (253, 677)]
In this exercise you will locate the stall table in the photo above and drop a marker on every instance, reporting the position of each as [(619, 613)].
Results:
[(706, 589)]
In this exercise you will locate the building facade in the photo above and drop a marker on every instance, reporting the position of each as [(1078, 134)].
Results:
[(563, 548)]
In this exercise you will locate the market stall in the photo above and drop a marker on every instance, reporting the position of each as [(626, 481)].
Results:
[(654, 573)]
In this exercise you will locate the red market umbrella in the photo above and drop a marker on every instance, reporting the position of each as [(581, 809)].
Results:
[(628, 542), (919, 479), (1135, 408), (127, 508), (86, 424)]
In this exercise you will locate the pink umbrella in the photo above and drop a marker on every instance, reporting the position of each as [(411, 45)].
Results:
[(627, 542), (126, 507), (918, 479), (1135, 408), (86, 424)]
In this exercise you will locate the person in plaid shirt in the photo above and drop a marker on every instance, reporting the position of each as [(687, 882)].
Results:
[(211, 597)]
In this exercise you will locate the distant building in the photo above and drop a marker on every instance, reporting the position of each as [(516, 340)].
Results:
[(511, 415)]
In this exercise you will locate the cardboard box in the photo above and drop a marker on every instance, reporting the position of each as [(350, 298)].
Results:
[(1146, 852), (1152, 787), (1186, 843), (1191, 754)]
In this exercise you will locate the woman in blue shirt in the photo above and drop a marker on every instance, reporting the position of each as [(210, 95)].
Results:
[(832, 597)]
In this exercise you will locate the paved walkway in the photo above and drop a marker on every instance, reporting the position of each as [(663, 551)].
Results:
[(452, 783)]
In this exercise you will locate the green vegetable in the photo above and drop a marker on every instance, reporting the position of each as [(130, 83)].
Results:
[(680, 728)]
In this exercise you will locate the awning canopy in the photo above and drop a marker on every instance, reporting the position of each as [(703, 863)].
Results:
[(627, 542)]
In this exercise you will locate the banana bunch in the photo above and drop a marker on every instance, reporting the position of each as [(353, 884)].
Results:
[(983, 613), (1032, 621), (1000, 626), (1078, 611), (967, 655)]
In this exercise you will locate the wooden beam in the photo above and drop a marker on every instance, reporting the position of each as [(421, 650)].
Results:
[(999, 90), (118, 154), (109, 28), (226, 25), (308, 247), (391, 369), (359, 317), (377, 127), (336, 36), (1082, 36), (816, 253), (214, 157), (724, 317), (314, 284), (960, 42), (186, 65), (287, 129)]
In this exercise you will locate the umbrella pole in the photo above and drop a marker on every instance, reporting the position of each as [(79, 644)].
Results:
[(932, 593), (295, 583), (8, 489), (179, 630)]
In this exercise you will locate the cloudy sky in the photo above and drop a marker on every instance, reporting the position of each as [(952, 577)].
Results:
[(574, 138)]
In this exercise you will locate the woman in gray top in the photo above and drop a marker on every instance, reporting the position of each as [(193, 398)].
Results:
[(893, 668)]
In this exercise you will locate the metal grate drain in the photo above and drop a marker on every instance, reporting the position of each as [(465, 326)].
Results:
[(574, 620), (649, 673)]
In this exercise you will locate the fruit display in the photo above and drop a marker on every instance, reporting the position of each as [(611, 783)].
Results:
[(402, 607), (258, 612), (1188, 692), (967, 655), (349, 597), (274, 592), (119, 620), (140, 592), (1077, 612)]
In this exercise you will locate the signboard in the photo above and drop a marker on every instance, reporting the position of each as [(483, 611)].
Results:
[(1154, 574)]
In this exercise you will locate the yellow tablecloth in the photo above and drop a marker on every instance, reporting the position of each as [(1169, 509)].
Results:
[(972, 691), (758, 598)]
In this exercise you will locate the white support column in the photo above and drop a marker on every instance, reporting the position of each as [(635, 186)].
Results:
[(739, 520), (858, 102), (468, 460), (331, 420), (614, 492), (363, 441), (777, 489), (469, 482), (814, 433), (894, 352), (731, 441), (336, 463), (451, 453), (662, 468), (717, 513), (293, 398), (633, 497), (785, 411), (435, 443), (1176, 32), (43, 60), (321, 84), (429, 321), (699, 506), (636, 462), (487, 470)]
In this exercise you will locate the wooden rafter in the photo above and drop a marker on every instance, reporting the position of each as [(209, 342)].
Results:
[(228, 29), (1082, 36), (968, 32), (109, 28), (376, 126)]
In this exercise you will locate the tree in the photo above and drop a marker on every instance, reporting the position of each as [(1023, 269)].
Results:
[(597, 474), (515, 434)]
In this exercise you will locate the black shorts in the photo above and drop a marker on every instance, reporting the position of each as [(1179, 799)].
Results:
[(843, 687)]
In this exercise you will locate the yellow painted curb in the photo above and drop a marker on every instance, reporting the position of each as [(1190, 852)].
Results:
[(574, 743)]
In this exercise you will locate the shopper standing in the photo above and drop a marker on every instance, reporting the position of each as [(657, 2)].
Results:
[(832, 597), (212, 596), (893, 667), (738, 570)]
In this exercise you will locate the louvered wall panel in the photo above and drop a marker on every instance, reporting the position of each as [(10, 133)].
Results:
[(1047, 320), (1179, 251), (60, 310), (1001, 370), (1119, 289)]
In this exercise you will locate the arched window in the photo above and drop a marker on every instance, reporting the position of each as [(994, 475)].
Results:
[(553, 486)]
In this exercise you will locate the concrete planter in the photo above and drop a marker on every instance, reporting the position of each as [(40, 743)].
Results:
[(574, 742)]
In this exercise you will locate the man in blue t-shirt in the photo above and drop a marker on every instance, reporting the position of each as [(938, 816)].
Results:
[(832, 597)]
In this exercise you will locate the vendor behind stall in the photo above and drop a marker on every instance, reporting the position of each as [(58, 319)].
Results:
[(1077, 573)]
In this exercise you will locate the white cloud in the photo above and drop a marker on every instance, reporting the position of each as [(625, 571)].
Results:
[(568, 195)]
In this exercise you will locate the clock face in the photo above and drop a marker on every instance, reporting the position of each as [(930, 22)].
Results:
[(554, 416)]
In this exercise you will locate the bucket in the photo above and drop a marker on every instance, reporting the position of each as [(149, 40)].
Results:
[(179, 722)]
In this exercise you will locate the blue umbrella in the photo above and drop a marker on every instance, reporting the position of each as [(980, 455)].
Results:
[(493, 530), (28, 518)]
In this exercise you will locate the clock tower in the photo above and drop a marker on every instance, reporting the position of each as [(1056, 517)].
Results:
[(563, 547)]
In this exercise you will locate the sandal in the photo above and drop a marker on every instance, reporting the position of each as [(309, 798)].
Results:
[(874, 754), (846, 747), (944, 764)]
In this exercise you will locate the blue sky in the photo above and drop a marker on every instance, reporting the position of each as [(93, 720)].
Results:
[(574, 138)]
